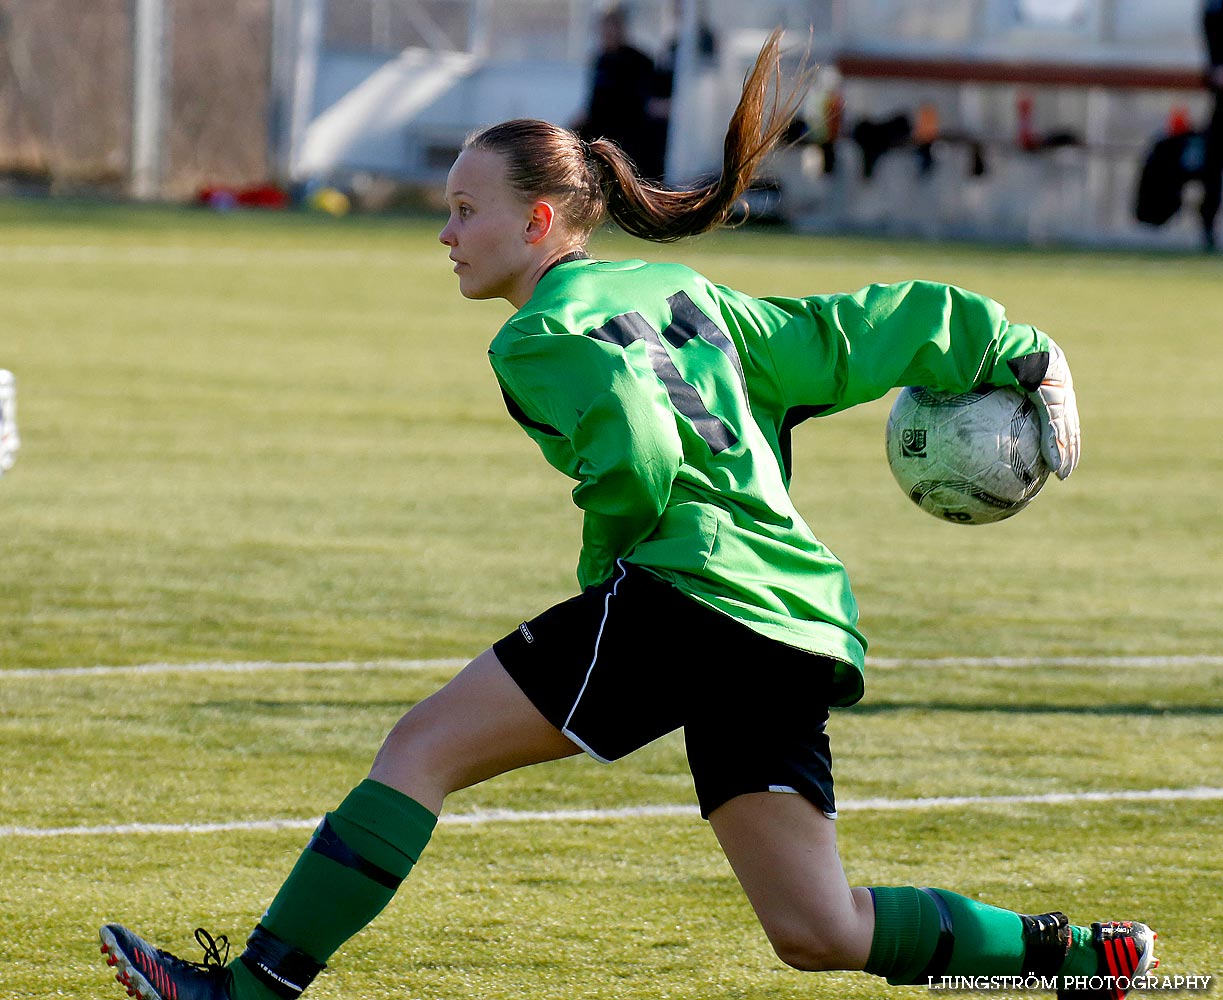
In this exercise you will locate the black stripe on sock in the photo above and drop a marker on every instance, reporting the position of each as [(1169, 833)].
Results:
[(283, 969), (329, 844), (937, 966)]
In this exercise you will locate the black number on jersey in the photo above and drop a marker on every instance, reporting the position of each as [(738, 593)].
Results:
[(687, 323)]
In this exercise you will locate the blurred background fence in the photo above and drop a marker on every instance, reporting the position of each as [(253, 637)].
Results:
[(1019, 119), (67, 94)]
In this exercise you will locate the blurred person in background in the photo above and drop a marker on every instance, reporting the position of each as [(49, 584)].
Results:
[(705, 54), (1212, 176), (622, 102)]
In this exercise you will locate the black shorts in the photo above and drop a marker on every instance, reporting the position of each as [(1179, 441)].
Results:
[(634, 659)]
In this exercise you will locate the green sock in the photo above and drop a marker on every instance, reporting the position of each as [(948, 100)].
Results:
[(1082, 959), (344, 878), (924, 932), (933, 932)]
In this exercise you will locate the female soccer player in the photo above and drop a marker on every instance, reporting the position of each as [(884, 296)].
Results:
[(670, 401)]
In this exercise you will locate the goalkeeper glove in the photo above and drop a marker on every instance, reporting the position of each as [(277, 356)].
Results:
[(1046, 378)]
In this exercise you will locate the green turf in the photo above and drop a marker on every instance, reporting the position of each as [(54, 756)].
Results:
[(636, 908), (276, 438)]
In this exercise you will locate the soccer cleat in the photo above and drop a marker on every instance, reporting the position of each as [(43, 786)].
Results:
[(152, 974), (1126, 950)]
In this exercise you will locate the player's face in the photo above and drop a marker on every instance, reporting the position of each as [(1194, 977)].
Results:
[(487, 228)]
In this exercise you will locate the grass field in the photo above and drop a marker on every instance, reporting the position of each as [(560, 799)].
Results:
[(261, 439)]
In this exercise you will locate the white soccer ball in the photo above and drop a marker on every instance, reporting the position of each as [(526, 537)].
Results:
[(968, 458)]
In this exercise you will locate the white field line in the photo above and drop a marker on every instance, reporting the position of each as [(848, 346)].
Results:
[(884, 662), (485, 816), (1124, 662), (175, 254), (584, 815), (183, 255), (255, 666)]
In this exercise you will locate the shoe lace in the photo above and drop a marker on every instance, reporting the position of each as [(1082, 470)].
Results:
[(214, 958)]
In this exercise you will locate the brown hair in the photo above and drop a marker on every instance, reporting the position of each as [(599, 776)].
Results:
[(588, 181)]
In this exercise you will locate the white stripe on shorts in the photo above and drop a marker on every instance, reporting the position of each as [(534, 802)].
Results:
[(790, 790), (565, 730)]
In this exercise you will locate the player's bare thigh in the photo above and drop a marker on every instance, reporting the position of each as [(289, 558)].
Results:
[(477, 726), (784, 852)]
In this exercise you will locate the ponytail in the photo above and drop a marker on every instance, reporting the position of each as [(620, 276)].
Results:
[(589, 181), (756, 128)]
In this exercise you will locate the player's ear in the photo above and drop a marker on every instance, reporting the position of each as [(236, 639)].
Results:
[(540, 222)]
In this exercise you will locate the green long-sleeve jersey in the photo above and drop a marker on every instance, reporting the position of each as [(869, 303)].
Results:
[(670, 400)]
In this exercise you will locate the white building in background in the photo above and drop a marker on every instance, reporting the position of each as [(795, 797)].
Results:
[(388, 88)]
